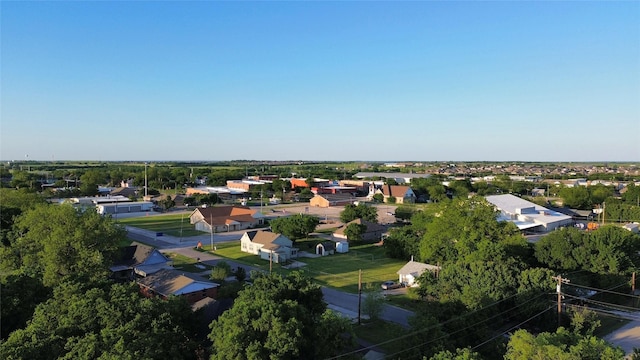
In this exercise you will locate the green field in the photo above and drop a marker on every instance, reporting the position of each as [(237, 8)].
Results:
[(171, 224), (339, 271)]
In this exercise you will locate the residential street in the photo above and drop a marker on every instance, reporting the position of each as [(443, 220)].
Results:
[(345, 303)]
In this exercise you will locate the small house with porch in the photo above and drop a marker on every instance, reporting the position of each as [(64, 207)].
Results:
[(410, 272), (268, 245)]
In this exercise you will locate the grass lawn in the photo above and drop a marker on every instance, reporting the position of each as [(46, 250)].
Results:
[(378, 331), (339, 271), (182, 262), (410, 301), (609, 324), (170, 224)]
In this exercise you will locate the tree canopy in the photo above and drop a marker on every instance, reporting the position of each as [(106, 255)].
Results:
[(295, 226), (360, 211), (58, 243), (607, 250), (279, 318), (459, 228), (107, 323), (561, 345)]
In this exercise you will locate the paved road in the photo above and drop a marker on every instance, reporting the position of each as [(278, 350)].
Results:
[(628, 336), (349, 302), (345, 303)]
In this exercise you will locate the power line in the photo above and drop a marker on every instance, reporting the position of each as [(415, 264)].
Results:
[(602, 303), (607, 291), (465, 328), (513, 327), (444, 323)]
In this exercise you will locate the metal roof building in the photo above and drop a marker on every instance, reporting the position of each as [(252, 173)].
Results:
[(527, 215)]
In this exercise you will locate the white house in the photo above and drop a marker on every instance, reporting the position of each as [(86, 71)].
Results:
[(410, 272), (268, 245)]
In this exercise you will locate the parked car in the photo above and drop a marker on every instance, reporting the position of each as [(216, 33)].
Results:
[(388, 285)]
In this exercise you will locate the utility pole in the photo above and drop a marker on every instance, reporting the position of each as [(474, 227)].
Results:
[(181, 221), (359, 294), (211, 220), (145, 179), (559, 292), (270, 261), (633, 283)]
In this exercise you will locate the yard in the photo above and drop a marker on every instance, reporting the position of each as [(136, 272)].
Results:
[(171, 224), (339, 271), (181, 262)]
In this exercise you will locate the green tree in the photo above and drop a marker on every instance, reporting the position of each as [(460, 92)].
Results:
[(296, 226), (599, 193), (220, 271), (459, 229), (279, 318), (404, 213), (355, 231), (378, 198), (360, 211), (114, 322), (576, 197), (305, 194), (608, 250), (240, 274), (19, 297), (167, 203), (460, 354), (89, 182), (70, 244), (562, 345), (584, 321), (437, 193), (373, 303), (402, 243), (461, 188)]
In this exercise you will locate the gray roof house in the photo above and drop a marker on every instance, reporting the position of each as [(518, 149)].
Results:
[(410, 272), (139, 259)]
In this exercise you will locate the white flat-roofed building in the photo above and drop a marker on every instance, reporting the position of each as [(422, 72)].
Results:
[(527, 215), (213, 190), (400, 178), (124, 207)]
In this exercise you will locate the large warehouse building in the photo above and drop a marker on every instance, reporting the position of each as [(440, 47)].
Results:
[(527, 215)]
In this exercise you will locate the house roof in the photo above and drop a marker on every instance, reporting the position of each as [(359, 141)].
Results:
[(124, 191), (226, 215), (371, 227), (264, 237), (173, 282), (527, 213), (132, 255), (415, 268), (394, 190), (336, 197)]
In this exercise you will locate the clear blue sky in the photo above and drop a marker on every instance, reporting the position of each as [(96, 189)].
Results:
[(339, 80)]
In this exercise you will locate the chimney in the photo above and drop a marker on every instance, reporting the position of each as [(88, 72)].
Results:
[(411, 258)]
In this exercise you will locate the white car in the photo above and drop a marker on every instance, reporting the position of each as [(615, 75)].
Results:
[(388, 285)]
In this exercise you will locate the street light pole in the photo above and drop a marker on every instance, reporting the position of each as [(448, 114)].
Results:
[(145, 179)]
